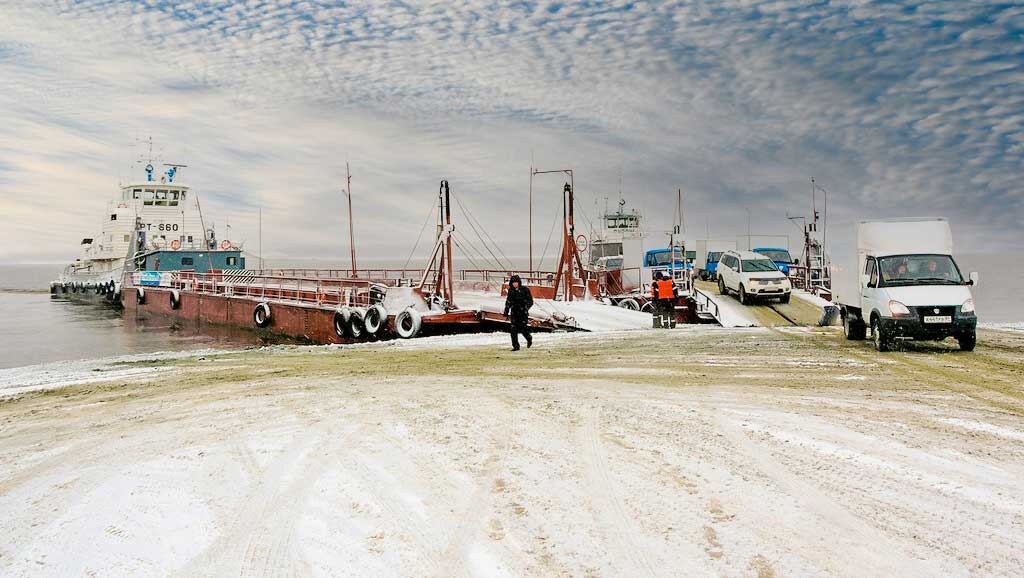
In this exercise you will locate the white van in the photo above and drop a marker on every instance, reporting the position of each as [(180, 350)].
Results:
[(905, 284), (752, 275)]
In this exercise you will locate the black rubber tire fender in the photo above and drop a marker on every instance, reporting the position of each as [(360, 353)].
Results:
[(408, 323), (375, 320), (341, 316), (261, 314), (355, 325)]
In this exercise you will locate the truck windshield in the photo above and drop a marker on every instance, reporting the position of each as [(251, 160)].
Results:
[(919, 270), (777, 255), (664, 258), (714, 256), (759, 265)]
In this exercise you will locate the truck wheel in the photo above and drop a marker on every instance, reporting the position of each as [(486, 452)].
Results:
[(721, 287), (853, 328), (880, 339), (967, 341), (744, 299)]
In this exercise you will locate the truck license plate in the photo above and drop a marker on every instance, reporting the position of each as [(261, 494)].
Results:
[(938, 319)]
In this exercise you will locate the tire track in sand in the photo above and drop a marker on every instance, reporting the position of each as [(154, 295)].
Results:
[(481, 504), (257, 542), (621, 533), (876, 553)]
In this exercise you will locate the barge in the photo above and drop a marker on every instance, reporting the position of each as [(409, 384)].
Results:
[(345, 306)]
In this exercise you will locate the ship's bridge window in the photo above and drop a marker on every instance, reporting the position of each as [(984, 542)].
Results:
[(148, 196), (161, 198)]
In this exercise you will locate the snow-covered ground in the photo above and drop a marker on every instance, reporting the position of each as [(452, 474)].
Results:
[(697, 452), (1017, 327), (18, 380), (590, 314)]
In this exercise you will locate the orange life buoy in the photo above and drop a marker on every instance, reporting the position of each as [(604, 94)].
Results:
[(175, 244), (225, 244)]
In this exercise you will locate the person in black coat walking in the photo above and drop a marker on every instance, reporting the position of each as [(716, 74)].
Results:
[(517, 309)]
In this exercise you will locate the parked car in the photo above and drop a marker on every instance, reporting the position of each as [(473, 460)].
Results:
[(752, 276)]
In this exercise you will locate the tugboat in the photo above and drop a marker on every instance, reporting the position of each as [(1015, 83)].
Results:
[(151, 226)]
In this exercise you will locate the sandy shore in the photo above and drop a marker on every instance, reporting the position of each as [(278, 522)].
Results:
[(697, 452)]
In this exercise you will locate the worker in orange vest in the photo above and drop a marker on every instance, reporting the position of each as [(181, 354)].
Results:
[(663, 293)]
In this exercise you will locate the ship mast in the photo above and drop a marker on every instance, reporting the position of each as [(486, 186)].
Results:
[(351, 231)]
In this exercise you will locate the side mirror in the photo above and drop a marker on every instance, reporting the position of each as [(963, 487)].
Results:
[(973, 278), (796, 261), (865, 280)]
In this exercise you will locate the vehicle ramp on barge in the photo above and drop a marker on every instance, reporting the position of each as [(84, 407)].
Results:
[(803, 310)]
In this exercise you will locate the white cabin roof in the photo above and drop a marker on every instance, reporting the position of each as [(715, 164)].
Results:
[(155, 185)]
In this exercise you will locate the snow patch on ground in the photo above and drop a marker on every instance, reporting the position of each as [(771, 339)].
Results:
[(812, 299), (1017, 327), (590, 315), (995, 430), (29, 378)]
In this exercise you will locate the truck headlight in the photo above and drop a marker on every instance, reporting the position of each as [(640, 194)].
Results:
[(898, 309), (967, 307)]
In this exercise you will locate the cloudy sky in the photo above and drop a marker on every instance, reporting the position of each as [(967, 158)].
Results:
[(897, 108)]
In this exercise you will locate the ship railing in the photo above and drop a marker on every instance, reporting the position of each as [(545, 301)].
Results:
[(503, 275), (705, 304), (816, 280), (379, 275), (320, 292), (632, 280), (620, 281)]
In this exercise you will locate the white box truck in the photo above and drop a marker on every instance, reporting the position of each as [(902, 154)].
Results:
[(705, 261), (904, 284)]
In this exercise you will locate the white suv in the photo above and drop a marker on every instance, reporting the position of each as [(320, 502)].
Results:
[(752, 275)]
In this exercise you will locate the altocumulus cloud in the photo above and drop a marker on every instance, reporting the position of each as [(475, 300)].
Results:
[(897, 108)]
